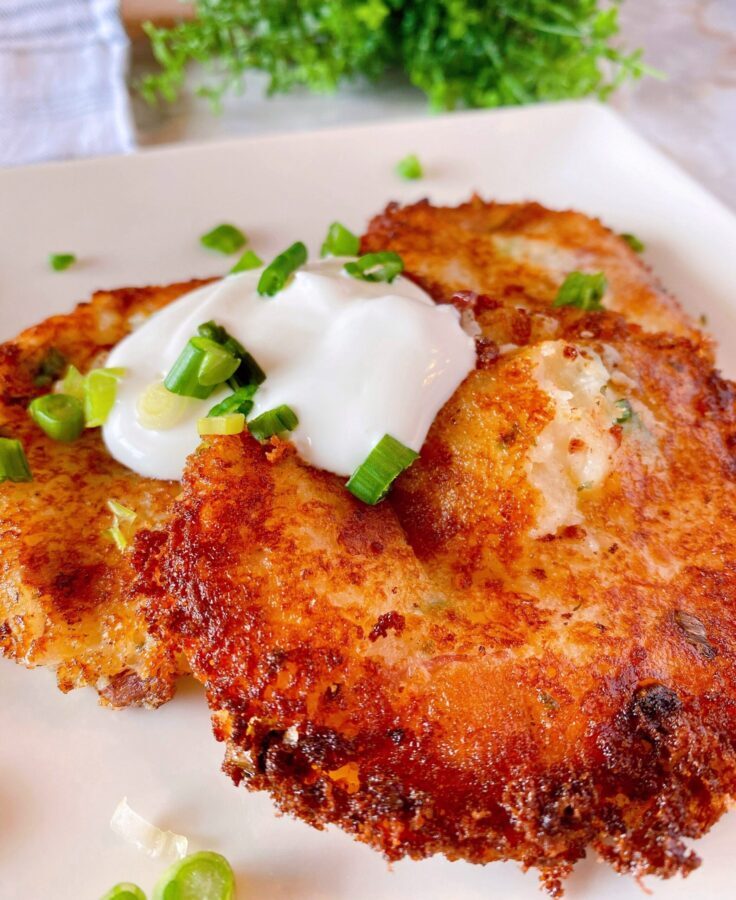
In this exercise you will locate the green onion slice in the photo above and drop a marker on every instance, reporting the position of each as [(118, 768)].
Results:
[(410, 167), (249, 260), (627, 411), (61, 261), (340, 242), (157, 409), (371, 481), (224, 239), (384, 266), (100, 390), (61, 416), (13, 463), (582, 291), (117, 537), (51, 367), (201, 876), (123, 513), (241, 401), (248, 372), (230, 423), (273, 421), (124, 891), (183, 377), (636, 244), (73, 383), (274, 276), (217, 364)]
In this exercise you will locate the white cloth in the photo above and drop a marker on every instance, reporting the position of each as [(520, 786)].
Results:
[(62, 80)]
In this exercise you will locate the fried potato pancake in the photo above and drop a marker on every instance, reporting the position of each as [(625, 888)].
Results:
[(528, 648), (65, 589)]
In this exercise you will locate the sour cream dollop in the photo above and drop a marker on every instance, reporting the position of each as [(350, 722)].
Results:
[(355, 360)]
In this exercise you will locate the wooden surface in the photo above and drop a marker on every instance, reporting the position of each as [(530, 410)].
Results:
[(161, 12)]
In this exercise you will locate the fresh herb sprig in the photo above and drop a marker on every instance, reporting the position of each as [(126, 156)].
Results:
[(464, 53)]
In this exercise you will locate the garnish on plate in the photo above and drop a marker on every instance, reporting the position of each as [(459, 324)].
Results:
[(583, 291), (372, 480), (340, 242), (13, 463), (636, 244), (249, 260), (276, 274), (274, 421), (410, 168), (224, 239), (61, 416), (61, 261), (383, 266)]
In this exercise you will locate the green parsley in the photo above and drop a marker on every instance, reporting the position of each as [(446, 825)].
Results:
[(61, 261), (582, 291), (410, 168), (224, 239), (637, 245)]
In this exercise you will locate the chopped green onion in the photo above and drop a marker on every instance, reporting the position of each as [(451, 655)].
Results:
[(637, 245), (117, 537), (582, 291), (384, 266), (627, 411), (61, 261), (224, 239), (231, 423), (410, 167), (217, 364), (73, 383), (13, 463), (249, 372), (273, 421), (125, 891), (340, 242), (157, 409), (249, 260), (274, 276), (61, 416), (241, 401), (183, 377), (52, 367), (100, 390), (123, 513), (371, 481), (201, 876)]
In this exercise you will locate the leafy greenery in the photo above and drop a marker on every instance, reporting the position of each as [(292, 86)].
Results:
[(459, 52)]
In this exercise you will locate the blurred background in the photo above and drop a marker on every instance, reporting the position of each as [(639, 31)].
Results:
[(71, 71)]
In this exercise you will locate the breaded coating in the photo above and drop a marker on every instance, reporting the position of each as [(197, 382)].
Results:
[(65, 589), (528, 648)]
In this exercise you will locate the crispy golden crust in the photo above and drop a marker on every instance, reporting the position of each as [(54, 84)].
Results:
[(434, 678), (65, 598), (521, 252)]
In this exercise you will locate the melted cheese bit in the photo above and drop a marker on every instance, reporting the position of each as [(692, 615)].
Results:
[(355, 360), (575, 449)]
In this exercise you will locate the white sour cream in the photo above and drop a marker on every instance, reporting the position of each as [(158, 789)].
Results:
[(355, 360)]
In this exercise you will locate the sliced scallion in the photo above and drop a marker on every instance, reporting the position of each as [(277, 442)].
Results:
[(248, 372), (636, 244), (371, 481), (100, 390), (230, 423), (274, 276), (123, 513), (383, 266), (217, 364), (224, 239), (126, 890), (273, 421), (52, 367), (240, 401), (201, 876), (583, 291), (73, 383), (249, 260), (60, 416), (340, 242), (158, 409), (410, 167), (627, 411), (13, 463), (117, 537), (61, 261), (183, 377)]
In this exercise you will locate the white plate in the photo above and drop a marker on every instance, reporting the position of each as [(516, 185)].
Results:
[(64, 762)]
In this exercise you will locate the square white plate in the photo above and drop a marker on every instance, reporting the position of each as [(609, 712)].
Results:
[(64, 762)]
